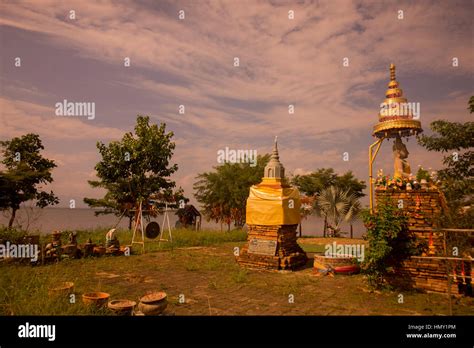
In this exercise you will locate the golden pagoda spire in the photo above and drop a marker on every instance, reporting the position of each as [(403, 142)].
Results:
[(392, 72), (396, 115)]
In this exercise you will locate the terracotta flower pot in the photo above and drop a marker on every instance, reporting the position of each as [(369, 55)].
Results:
[(99, 250), (98, 299), (153, 304), (62, 289), (121, 307)]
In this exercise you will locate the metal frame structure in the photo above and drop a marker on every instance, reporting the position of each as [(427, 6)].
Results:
[(372, 156)]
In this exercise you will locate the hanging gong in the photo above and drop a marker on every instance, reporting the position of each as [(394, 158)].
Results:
[(152, 230)]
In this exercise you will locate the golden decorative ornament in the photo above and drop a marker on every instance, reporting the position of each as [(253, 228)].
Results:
[(396, 115)]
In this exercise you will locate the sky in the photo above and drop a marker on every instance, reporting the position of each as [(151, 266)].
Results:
[(190, 61)]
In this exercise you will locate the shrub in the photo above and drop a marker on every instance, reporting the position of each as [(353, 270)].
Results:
[(390, 241)]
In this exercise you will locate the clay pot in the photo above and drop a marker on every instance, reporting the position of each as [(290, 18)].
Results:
[(339, 264), (62, 289), (153, 304), (98, 299), (99, 251), (121, 307)]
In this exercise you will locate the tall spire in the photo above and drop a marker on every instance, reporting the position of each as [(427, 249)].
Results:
[(393, 100), (275, 149), (392, 72), (396, 115), (274, 169)]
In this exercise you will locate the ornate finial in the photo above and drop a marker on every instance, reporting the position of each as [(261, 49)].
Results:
[(392, 72), (274, 169), (275, 149)]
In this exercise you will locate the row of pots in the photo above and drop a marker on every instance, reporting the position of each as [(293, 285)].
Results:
[(151, 304)]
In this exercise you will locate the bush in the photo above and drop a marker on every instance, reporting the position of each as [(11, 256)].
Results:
[(390, 241), (12, 235)]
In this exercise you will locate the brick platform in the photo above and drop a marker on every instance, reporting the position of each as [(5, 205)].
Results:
[(288, 254), (431, 275), (424, 208)]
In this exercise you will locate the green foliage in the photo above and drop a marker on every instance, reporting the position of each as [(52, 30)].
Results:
[(135, 168), (340, 203), (312, 184), (423, 174), (457, 178), (390, 241), (12, 235), (26, 170), (223, 192), (337, 205)]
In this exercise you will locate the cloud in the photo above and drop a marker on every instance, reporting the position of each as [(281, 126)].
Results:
[(282, 62), (19, 117)]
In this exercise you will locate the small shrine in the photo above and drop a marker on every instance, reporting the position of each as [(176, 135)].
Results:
[(272, 216)]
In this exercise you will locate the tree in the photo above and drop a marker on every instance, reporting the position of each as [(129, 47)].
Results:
[(457, 178), (223, 193), (134, 169), (337, 205), (26, 170), (311, 185)]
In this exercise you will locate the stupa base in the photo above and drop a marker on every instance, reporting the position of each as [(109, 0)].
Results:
[(273, 248)]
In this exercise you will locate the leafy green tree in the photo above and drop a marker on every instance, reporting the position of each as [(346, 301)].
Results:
[(26, 170), (337, 205), (457, 178), (223, 192), (312, 184), (134, 169)]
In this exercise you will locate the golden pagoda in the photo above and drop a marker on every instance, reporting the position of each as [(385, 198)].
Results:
[(272, 217), (396, 120), (396, 117)]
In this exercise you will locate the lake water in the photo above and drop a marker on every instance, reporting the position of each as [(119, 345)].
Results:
[(50, 219)]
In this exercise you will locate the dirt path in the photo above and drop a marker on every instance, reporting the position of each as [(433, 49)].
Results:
[(209, 281)]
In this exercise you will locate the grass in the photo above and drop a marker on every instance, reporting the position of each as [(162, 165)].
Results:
[(312, 248), (180, 237), (202, 267)]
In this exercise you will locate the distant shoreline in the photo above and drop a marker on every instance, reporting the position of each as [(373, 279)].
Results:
[(61, 218)]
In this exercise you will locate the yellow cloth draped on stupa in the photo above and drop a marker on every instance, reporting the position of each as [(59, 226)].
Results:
[(273, 205), (273, 201)]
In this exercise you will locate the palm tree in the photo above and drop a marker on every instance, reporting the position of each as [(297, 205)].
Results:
[(336, 206)]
